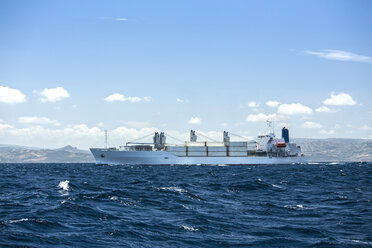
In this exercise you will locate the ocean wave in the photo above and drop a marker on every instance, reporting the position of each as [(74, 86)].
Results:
[(277, 186), (297, 207), (190, 228), (16, 221), (174, 189), (64, 185), (185, 206)]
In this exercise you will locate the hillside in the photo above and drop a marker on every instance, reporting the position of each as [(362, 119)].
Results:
[(317, 150), (337, 149), (67, 154)]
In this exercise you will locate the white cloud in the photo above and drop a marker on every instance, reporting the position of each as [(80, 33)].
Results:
[(179, 100), (84, 136), (119, 97), (310, 124), (341, 99), (9, 95), (365, 127), (272, 104), (294, 109), (253, 104), (136, 124), (77, 135), (4, 126), (37, 120), (121, 19), (327, 132), (53, 94), (135, 99), (340, 55), (194, 120), (80, 135), (324, 109), (259, 117), (224, 124), (116, 97)]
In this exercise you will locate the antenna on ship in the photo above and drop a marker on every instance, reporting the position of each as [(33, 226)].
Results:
[(270, 126), (105, 138)]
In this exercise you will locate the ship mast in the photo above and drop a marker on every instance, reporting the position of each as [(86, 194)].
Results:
[(270, 126)]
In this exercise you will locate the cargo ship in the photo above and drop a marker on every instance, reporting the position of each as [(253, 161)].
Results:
[(267, 149)]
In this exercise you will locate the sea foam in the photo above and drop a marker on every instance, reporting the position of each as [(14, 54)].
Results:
[(64, 185), (190, 228), (174, 189), (19, 220)]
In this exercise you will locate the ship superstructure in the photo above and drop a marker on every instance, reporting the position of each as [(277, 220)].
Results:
[(266, 150)]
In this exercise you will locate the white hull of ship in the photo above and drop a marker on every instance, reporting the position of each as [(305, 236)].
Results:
[(116, 157)]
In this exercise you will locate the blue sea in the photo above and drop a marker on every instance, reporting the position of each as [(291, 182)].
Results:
[(88, 205)]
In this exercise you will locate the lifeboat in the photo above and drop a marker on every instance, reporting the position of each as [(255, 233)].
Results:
[(280, 143)]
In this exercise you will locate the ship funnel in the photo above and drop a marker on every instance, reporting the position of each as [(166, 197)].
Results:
[(285, 135)]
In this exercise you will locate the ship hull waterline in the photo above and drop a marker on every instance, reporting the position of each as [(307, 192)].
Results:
[(117, 157)]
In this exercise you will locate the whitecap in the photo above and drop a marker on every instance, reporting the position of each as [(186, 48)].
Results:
[(64, 185), (298, 206), (276, 186), (174, 189), (16, 221), (190, 228), (113, 198), (361, 242)]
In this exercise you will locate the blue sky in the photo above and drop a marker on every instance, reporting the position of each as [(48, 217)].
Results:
[(181, 65)]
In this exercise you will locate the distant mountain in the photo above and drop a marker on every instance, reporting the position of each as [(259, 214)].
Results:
[(67, 154), (317, 150), (322, 150), (70, 149)]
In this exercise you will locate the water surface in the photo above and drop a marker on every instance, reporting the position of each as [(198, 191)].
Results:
[(59, 205)]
